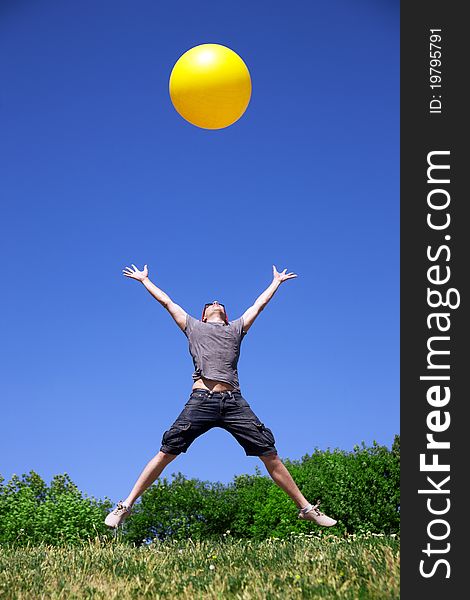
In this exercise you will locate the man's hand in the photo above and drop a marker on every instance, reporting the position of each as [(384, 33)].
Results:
[(136, 274), (282, 276)]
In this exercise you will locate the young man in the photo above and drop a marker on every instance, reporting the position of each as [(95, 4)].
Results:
[(216, 399)]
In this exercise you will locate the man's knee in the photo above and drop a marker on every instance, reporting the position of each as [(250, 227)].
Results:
[(166, 456), (270, 458)]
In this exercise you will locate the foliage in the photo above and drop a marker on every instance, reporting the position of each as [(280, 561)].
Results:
[(359, 488), (31, 512)]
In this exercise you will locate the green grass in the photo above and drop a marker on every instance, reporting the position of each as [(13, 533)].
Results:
[(304, 566)]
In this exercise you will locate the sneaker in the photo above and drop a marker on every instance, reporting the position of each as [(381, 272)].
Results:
[(117, 516), (312, 513)]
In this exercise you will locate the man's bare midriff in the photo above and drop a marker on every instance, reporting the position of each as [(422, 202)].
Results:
[(212, 385)]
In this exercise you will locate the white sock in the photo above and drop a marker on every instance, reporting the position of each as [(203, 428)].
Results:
[(306, 509)]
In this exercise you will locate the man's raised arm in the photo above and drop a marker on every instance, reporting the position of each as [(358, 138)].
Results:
[(251, 313), (178, 314)]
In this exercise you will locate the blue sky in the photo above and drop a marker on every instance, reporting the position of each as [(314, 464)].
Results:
[(98, 171)]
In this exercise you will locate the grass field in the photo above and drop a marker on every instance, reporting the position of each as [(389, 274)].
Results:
[(304, 566)]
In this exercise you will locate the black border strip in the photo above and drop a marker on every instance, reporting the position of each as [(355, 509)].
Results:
[(422, 247)]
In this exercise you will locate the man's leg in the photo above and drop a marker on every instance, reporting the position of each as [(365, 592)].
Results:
[(283, 478), (151, 471)]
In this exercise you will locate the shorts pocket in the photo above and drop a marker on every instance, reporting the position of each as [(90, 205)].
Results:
[(196, 398), (268, 434), (175, 436)]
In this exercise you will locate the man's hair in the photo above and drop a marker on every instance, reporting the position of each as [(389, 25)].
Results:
[(204, 312)]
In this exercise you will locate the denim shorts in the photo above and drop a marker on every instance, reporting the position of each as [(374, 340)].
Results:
[(228, 410)]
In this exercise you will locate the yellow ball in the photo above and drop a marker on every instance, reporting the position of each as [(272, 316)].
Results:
[(210, 86)]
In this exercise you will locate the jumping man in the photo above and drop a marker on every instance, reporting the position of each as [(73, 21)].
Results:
[(216, 399)]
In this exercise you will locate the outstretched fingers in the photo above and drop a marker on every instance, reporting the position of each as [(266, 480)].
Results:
[(128, 272), (283, 275), (134, 272)]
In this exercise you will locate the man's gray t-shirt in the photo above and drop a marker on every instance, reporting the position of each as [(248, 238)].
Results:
[(215, 349)]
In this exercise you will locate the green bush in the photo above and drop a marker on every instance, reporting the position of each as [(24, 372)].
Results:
[(361, 489), (31, 512)]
